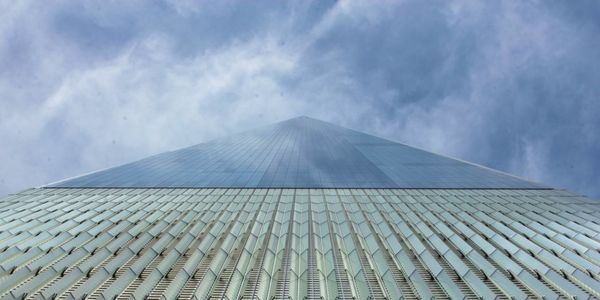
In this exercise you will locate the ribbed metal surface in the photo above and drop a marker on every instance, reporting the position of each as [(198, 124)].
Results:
[(298, 244)]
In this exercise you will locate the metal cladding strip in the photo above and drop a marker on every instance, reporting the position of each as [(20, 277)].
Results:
[(471, 286), (223, 286), (422, 277), (96, 284), (103, 258), (251, 290), (92, 240), (174, 259), (407, 260), (209, 268), (527, 269), (565, 267), (298, 243), (529, 254), (489, 272), (376, 289), (438, 268), (486, 271), (343, 282), (323, 244), (405, 288), (313, 286), (186, 280), (283, 278), (135, 272), (495, 257), (465, 271), (272, 264)]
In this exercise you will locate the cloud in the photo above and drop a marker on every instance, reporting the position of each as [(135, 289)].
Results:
[(509, 85)]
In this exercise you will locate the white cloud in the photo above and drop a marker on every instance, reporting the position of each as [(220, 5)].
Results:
[(148, 100)]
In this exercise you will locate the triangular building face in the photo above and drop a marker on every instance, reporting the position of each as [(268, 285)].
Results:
[(299, 153), (301, 209)]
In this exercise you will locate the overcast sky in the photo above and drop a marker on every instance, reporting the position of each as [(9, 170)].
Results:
[(513, 85)]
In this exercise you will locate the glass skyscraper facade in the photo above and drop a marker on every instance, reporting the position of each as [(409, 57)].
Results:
[(301, 209)]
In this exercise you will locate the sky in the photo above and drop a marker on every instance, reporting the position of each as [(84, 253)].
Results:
[(512, 85)]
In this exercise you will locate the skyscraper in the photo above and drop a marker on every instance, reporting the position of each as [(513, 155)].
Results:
[(301, 209)]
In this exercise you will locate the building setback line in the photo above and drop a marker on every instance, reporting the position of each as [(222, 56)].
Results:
[(295, 188)]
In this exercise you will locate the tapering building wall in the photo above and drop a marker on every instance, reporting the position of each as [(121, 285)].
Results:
[(372, 234)]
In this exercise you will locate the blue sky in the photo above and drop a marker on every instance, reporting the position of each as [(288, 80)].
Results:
[(513, 85)]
